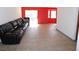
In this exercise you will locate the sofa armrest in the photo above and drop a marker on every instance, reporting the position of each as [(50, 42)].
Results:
[(11, 35), (10, 38)]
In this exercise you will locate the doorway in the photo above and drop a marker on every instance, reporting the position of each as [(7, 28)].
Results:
[(33, 15)]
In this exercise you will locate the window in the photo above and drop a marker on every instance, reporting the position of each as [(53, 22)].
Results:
[(51, 13)]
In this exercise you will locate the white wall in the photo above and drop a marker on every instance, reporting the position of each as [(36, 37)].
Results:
[(9, 13), (67, 21)]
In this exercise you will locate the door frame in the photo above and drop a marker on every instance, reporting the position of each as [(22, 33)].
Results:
[(32, 10), (33, 15), (77, 27)]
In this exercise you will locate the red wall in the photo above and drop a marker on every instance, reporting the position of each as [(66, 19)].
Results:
[(42, 14)]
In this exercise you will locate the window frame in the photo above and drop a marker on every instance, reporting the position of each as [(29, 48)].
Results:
[(50, 14)]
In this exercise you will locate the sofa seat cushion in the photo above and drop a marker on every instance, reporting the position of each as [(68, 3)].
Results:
[(18, 31)]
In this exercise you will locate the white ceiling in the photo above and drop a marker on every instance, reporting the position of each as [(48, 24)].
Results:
[(39, 3)]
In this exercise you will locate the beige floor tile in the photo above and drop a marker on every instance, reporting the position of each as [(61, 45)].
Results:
[(45, 37)]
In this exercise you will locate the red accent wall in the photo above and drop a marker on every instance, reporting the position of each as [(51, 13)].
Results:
[(42, 14)]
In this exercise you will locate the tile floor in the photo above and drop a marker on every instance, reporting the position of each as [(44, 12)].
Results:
[(45, 37)]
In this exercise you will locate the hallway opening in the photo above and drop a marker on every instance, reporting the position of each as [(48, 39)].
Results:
[(33, 15)]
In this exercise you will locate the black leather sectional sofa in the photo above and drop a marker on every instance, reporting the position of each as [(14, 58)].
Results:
[(12, 32)]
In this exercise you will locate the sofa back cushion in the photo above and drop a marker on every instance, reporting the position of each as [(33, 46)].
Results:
[(19, 22), (6, 28), (1, 32), (14, 24)]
